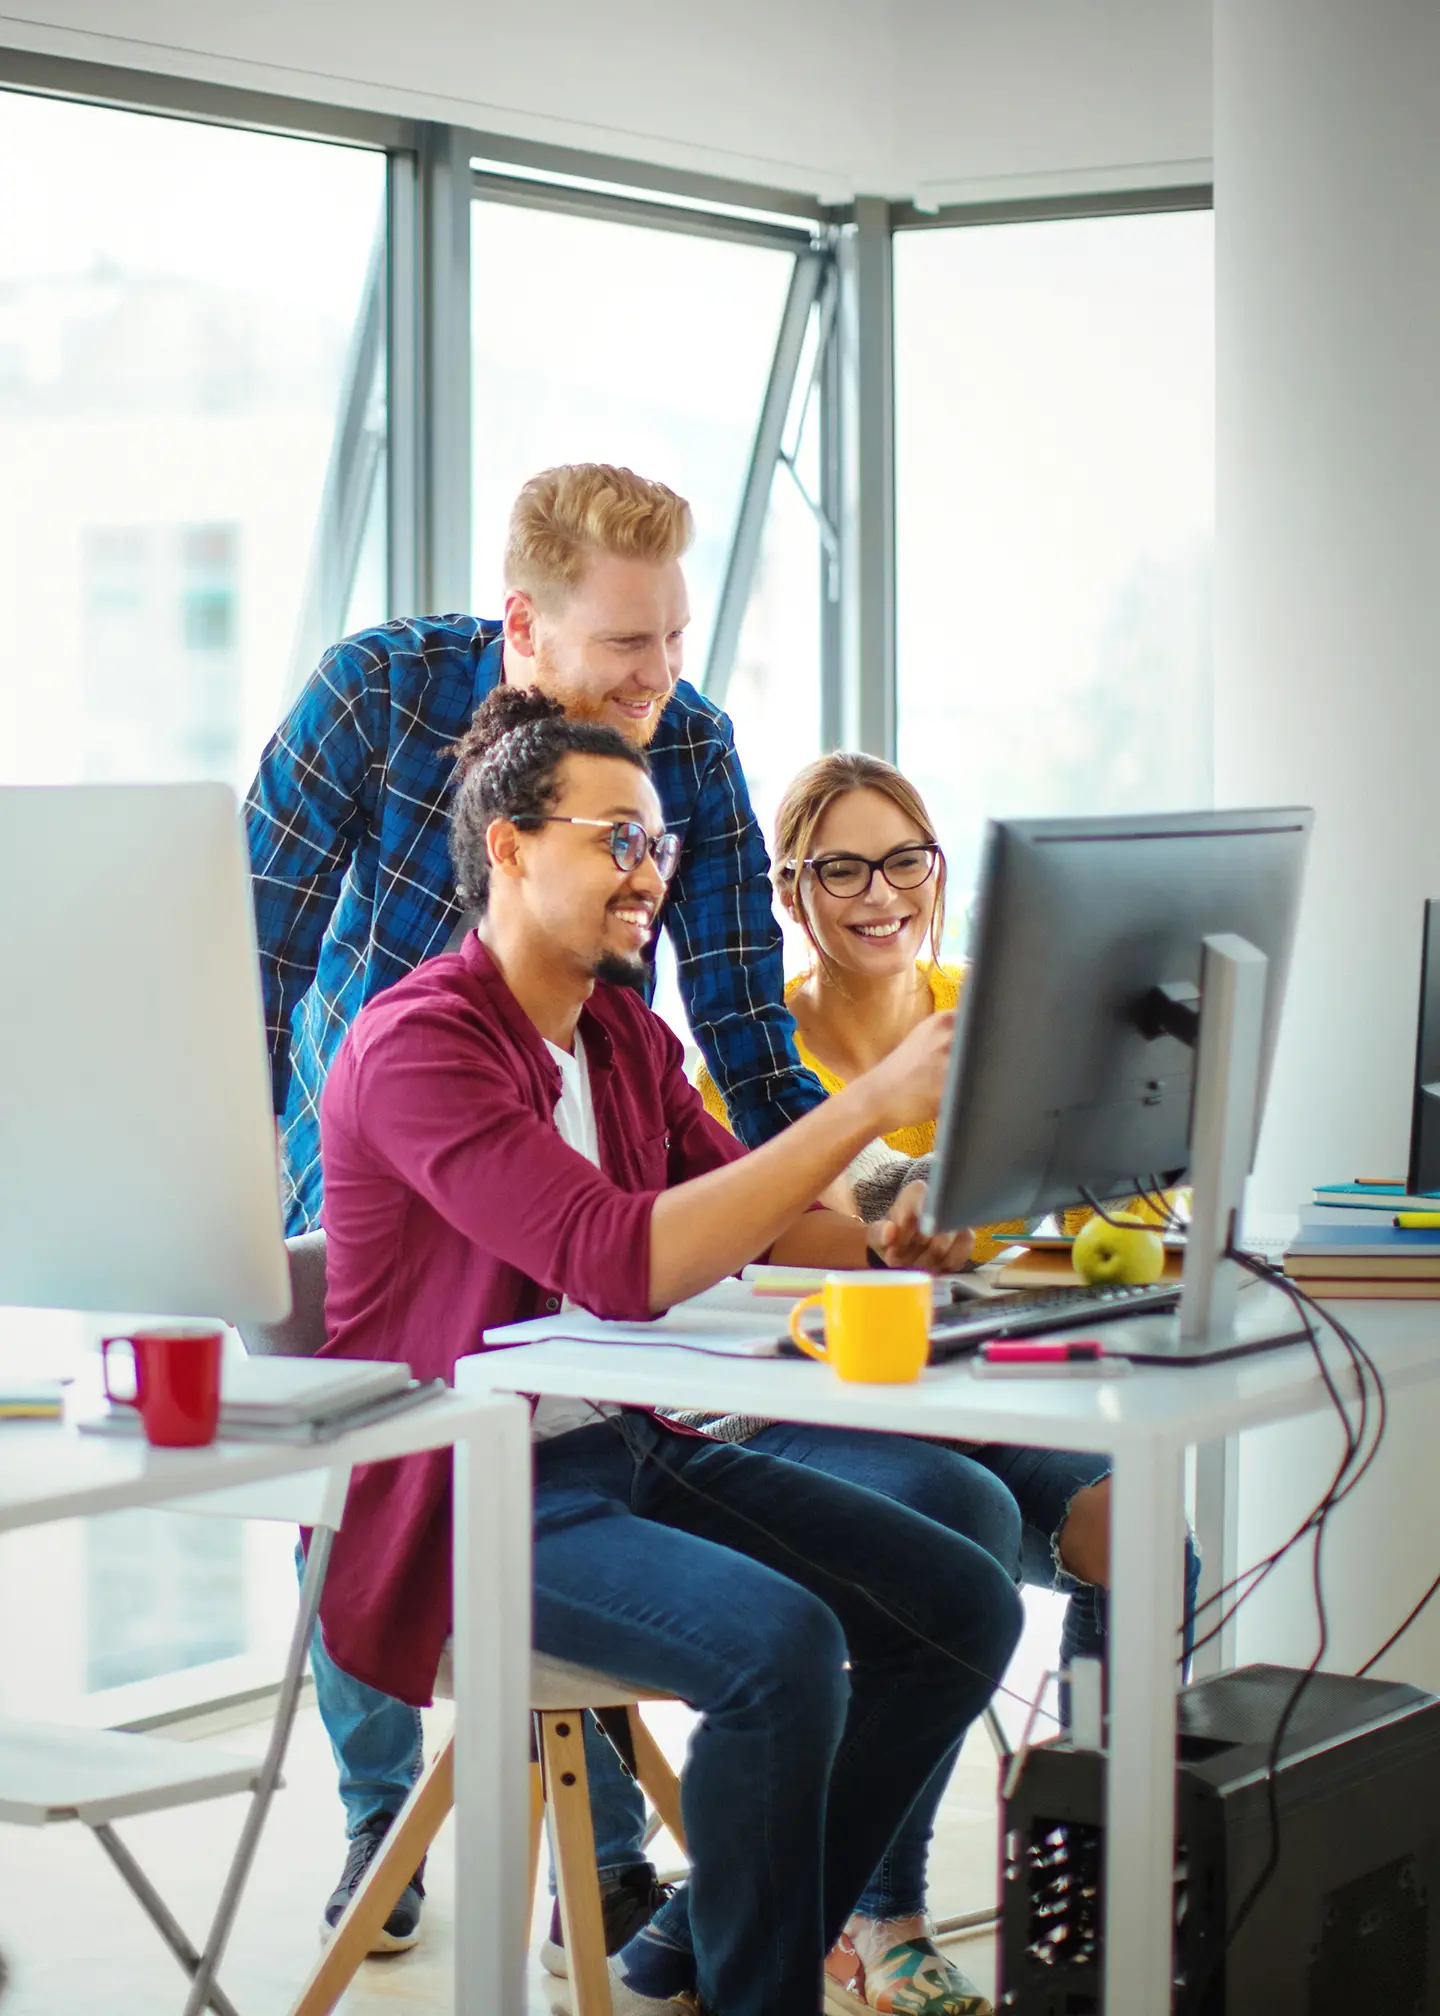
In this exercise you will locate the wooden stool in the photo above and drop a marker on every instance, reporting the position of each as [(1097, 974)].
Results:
[(560, 1694)]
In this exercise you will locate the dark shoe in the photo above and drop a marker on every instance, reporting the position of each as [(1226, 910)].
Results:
[(401, 1929), (629, 1903)]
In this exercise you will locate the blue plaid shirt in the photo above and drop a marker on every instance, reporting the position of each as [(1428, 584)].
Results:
[(348, 830)]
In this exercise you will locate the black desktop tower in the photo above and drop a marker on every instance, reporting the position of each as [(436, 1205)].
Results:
[(1344, 1924)]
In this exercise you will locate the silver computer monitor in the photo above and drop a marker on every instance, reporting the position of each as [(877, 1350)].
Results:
[(1074, 1070), (138, 1166)]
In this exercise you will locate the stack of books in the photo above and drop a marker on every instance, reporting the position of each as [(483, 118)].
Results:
[(295, 1399), (1365, 1262), (1373, 1195), (31, 1399)]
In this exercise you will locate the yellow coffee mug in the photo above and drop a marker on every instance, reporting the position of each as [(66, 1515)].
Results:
[(877, 1326)]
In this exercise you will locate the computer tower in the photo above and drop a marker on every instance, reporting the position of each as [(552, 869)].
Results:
[(1345, 1923)]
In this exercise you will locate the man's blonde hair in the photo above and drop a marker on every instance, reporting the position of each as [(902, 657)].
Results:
[(563, 517)]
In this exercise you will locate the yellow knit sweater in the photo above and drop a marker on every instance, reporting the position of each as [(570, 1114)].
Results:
[(945, 985)]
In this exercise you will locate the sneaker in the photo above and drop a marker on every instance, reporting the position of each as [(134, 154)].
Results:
[(624, 2001), (628, 1904), (401, 1929), (911, 1979)]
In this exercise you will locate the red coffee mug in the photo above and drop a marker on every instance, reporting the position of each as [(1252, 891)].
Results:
[(177, 1381)]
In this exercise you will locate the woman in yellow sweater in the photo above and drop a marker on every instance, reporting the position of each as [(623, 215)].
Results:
[(860, 870)]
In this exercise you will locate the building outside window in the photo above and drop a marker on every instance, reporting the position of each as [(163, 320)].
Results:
[(178, 308), (652, 348), (1055, 502)]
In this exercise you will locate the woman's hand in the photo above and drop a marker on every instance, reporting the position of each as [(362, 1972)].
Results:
[(900, 1242)]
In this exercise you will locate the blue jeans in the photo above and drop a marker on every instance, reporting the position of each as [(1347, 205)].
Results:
[(1042, 1483), (376, 1740), (743, 1585), (727, 1577), (965, 1498)]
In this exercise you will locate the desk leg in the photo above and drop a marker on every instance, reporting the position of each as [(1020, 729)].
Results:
[(1217, 1502), (492, 1710), (1146, 1547)]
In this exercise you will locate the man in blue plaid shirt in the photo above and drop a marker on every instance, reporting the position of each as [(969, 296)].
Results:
[(347, 815), (347, 822)]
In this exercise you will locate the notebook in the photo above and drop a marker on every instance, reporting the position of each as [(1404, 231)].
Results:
[(291, 1399), (280, 1392)]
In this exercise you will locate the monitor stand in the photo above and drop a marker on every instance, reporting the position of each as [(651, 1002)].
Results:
[(1224, 1311)]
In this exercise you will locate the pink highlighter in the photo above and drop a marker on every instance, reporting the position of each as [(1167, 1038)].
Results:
[(1031, 1357)]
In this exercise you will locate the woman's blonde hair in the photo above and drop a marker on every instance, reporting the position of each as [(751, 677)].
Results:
[(565, 516), (804, 806)]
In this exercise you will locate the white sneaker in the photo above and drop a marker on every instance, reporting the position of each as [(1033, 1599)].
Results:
[(623, 1999)]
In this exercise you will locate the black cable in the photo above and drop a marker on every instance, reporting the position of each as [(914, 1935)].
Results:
[(1154, 1195), (1340, 1487), (1089, 1197)]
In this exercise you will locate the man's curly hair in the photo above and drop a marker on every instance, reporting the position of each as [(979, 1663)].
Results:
[(507, 766)]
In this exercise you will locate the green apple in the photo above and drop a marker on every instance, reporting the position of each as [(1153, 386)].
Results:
[(1126, 1251)]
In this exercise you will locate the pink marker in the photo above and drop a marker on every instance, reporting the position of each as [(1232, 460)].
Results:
[(1040, 1351)]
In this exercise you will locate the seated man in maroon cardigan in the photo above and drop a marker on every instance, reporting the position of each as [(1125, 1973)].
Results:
[(510, 1125)]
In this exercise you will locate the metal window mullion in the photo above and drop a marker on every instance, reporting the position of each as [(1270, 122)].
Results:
[(832, 507), (404, 444), (1061, 209), (443, 360), (578, 164), (866, 401), (167, 97), (604, 208), (806, 282), (356, 447)]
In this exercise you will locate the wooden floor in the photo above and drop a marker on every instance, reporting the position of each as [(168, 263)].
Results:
[(79, 1946)]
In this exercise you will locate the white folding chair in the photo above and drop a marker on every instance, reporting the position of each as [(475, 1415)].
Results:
[(53, 1772)]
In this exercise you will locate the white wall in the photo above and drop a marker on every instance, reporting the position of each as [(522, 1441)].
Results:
[(1328, 528), (1327, 145), (938, 98), (996, 100)]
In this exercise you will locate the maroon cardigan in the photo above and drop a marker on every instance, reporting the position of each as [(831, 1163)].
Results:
[(451, 1206)]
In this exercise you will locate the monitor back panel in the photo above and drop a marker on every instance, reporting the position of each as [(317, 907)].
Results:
[(138, 1167), (1052, 1086)]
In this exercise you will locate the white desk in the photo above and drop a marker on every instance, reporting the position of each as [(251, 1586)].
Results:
[(1144, 1422), (50, 1471)]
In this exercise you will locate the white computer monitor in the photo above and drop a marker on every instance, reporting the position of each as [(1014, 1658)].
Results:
[(138, 1167)]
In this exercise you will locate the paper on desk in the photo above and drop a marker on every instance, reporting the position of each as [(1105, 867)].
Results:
[(730, 1321), (761, 1279)]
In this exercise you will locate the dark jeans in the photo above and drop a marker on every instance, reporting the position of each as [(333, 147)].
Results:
[(376, 1741), (744, 1585), (959, 1485), (956, 1493), (1042, 1483)]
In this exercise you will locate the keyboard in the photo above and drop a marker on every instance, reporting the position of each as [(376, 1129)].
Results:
[(960, 1329)]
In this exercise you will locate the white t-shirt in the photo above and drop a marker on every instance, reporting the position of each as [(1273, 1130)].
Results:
[(575, 1124)]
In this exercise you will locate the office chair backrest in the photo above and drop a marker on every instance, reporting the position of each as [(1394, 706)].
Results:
[(302, 1332)]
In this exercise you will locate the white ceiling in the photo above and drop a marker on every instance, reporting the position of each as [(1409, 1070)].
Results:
[(936, 99)]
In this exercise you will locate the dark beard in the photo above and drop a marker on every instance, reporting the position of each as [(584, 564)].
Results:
[(633, 973)]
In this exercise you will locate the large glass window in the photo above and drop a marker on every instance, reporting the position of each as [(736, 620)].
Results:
[(603, 341), (192, 440), (182, 320), (1054, 449)]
